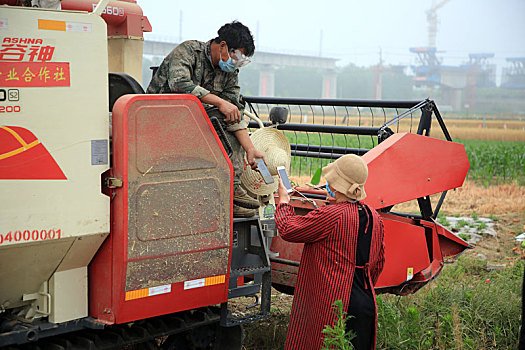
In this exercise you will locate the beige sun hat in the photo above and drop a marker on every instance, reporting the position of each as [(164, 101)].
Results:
[(348, 175), (276, 149)]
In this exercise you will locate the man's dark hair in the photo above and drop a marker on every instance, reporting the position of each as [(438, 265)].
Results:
[(237, 36)]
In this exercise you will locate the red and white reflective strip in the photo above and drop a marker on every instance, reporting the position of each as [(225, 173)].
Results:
[(204, 282), (46, 24), (164, 289), (148, 292)]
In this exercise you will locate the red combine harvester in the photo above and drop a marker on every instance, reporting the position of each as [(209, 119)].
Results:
[(116, 229), (403, 166)]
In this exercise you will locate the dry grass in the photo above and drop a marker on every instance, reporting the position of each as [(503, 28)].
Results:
[(502, 130), (469, 129), (486, 201), (495, 200), (479, 133), (489, 124), (492, 200)]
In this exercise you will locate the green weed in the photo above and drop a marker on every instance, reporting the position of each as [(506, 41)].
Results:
[(336, 336), (461, 223), (464, 236), (443, 221), (459, 310)]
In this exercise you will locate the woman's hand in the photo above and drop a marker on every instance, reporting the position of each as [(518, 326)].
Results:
[(284, 197)]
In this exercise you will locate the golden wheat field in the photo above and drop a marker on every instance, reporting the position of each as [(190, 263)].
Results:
[(469, 129), (502, 130), (497, 200)]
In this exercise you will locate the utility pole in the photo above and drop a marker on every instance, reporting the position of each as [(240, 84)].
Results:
[(380, 80), (180, 26), (257, 34), (321, 43), (377, 78)]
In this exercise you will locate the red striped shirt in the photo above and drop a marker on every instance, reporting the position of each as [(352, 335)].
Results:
[(327, 265)]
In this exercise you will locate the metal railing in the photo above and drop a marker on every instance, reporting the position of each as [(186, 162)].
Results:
[(321, 130)]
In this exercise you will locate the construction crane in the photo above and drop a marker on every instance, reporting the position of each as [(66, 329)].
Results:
[(433, 21), (428, 68)]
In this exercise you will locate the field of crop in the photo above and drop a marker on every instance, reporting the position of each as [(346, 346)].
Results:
[(469, 305), (496, 152), (471, 129), (494, 162), (500, 130)]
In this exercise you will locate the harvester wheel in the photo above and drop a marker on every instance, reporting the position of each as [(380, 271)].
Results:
[(229, 338), (203, 337), (148, 345), (206, 337), (176, 342)]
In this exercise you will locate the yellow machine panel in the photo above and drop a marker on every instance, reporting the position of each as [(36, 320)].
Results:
[(54, 146)]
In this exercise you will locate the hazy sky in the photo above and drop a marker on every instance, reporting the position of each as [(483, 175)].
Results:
[(352, 31)]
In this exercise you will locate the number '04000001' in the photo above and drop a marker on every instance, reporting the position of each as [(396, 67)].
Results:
[(30, 235)]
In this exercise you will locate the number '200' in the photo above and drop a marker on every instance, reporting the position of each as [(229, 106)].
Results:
[(28, 235)]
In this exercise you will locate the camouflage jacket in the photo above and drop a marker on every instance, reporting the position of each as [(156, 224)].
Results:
[(188, 69)]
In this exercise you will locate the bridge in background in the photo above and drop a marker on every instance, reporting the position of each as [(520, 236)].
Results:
[(266, 63)]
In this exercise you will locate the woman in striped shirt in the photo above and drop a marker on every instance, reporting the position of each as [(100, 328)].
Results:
[(342, 258)]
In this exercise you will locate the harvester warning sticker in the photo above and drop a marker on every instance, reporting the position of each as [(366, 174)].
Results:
[(148, 292), (204, 282), (99, 152), (410, 273), (24, 157), (63, 26), (78, 27)]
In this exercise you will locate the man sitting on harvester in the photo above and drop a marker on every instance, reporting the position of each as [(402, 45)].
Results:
[(209, 70)]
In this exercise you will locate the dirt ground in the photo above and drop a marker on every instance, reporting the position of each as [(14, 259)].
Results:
[(504, 203)]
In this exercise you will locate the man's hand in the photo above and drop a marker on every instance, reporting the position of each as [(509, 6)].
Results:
[(230, 111), (284, 197), (251, 154), (227, 108)]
